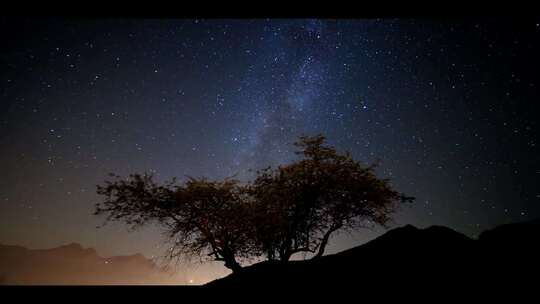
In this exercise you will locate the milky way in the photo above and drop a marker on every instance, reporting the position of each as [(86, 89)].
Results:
[(283, 90), (448, 108)]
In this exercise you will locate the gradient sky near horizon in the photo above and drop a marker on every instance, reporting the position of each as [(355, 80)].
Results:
[(450, 108)]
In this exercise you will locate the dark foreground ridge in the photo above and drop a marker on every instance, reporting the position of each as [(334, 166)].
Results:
[(408, 258)]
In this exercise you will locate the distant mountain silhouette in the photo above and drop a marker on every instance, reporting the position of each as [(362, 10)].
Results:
[(73, 264), (514, 236), (410, 259)]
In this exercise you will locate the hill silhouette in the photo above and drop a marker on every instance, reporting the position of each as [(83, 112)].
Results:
[(405, 259), (74, 265), (409, 258)]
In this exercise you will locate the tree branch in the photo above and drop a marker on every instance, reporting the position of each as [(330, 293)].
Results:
[(296, 250), (324, 240)]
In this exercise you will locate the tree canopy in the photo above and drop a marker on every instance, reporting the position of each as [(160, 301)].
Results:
[(201, 218), (285, 210)]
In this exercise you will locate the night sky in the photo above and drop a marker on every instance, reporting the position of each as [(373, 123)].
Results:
[(450, 108)]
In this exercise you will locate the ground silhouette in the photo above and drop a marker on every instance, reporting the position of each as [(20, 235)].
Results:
[(409, 259)]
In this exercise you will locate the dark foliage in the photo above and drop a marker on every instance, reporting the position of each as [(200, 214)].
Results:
[(293, 208), (300, 205), (201, 218)]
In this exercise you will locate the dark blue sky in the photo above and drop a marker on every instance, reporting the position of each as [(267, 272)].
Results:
[(450, 108)]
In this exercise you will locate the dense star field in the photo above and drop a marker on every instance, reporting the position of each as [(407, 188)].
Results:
[(449, 108)]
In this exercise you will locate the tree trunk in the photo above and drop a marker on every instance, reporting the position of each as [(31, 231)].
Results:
[(284, 257), (233, 265), (324, 242), (285, 251), (322, 246), (270, 255)]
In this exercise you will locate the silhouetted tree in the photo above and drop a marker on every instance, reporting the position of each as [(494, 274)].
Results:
[(200, 217), (293, 208), (300, 205)]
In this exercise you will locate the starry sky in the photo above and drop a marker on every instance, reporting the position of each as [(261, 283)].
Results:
[(449, 108)]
